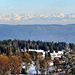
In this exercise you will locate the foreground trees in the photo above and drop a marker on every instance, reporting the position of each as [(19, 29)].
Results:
[(4, 64), (12, 57), (41, 63), (43, 66), (26, 58), (13, 63)]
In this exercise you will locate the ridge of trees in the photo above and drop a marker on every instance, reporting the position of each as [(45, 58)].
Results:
[(8, 46)]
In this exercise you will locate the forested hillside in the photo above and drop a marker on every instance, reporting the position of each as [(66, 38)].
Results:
[(8, 46)]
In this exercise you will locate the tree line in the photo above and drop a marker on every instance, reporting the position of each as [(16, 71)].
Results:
[(7, 46)]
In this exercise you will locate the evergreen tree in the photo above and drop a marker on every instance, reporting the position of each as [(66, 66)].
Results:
[(45, 47), (51, 49), (7, 51), (27, 46), (14, 50)]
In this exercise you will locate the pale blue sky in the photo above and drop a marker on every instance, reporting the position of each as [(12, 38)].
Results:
[(37, 11), (37, 6)]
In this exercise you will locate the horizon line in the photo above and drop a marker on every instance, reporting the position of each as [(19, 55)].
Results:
[(37, 24)]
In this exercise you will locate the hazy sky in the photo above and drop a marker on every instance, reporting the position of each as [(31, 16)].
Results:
[(37, 6)]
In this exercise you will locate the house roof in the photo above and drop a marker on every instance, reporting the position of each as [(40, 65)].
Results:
[(37, 50)]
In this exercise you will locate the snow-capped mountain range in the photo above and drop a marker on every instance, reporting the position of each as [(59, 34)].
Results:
[(54, 18)]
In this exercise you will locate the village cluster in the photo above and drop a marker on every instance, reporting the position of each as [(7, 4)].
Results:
[(61, 63)]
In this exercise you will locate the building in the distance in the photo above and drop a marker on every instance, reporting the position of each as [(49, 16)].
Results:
[(38, 51), (53, 55), (56, 55)]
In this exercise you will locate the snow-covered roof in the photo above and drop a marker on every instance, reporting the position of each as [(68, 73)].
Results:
[(59, 52), (51, 63), (38, 51), (54, 54)]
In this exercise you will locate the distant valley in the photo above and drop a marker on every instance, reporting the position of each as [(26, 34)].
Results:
[(55, 33)]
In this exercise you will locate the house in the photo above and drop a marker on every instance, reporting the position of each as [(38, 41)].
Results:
[(56, 55), (38, 51), (53, 55)]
